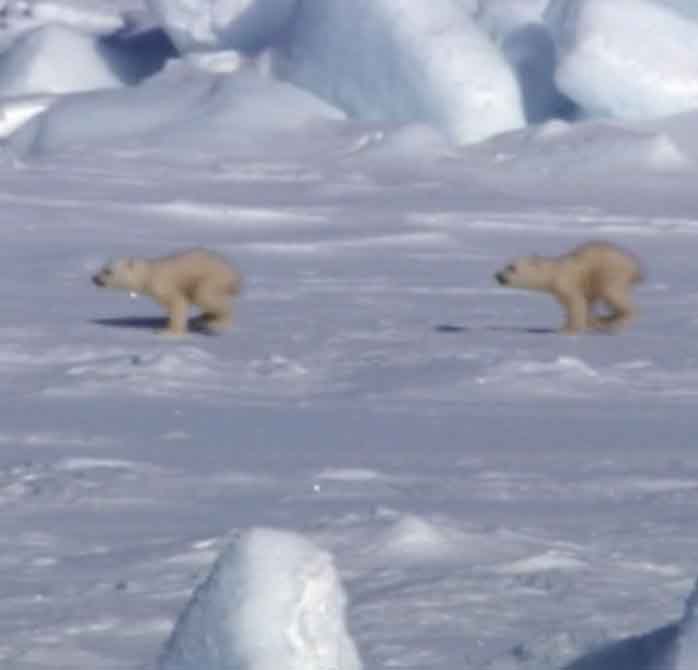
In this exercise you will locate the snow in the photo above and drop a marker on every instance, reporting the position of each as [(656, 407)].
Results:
[(532, 53), (502, 17), (273, 600), (246, 25), (593, 148), (385, 60), (686, 7), (688, 634), (391, 60), (86, 16), (489, 494), (54, 59), (630, 59), (239, 110)]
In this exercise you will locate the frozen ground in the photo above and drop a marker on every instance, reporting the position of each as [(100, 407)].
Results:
[(494, 496)]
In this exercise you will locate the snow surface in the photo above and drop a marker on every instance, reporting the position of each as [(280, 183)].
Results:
[(273, 600), (631, 59), (494, 496)]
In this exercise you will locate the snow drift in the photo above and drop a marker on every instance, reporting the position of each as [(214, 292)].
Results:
[(631, 59), (273, 601), (182, 108), (566, 150), (402, 61)]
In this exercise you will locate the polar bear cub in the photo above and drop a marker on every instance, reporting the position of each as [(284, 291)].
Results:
[(595, 272), (196, 277)]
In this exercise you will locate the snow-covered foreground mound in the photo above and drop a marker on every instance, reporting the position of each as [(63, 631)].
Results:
[(630, 59), (272, 601)]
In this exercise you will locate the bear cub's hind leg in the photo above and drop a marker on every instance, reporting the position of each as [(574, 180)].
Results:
[(216, 308)]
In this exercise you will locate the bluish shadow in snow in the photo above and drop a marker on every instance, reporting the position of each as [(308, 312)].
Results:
[(656, 650), (531, 51), (137, 322), (453, 328), (155, 323), (135, 56), (671, 647)]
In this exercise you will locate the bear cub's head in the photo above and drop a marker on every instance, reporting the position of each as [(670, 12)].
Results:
[(127, 274), (528, 272)]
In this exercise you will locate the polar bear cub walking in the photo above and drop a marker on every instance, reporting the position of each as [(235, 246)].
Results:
[(196, 277), (591, 273)]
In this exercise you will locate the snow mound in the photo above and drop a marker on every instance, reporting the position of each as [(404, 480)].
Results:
[(630, 59), (405, 147), (402, 61), (247, 25), (55, 59), (415, 538), (408, 539), (273, 601), (168, 111), (561, 149), (565, 374)]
